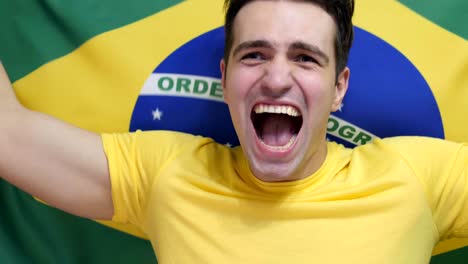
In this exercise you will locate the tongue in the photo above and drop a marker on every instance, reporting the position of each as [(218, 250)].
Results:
[(277, 129)]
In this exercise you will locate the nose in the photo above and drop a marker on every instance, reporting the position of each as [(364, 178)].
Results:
[(277, 79)]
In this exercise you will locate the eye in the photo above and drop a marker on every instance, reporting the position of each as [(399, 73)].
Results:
[(253, 57), (303, 58)]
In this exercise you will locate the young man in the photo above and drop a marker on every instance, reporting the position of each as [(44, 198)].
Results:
[(285, 196)]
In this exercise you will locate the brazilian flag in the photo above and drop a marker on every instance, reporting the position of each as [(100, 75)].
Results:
[(116, 66)]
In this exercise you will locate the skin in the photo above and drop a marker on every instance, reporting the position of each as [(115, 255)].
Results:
[(283, 54), (60, 164)]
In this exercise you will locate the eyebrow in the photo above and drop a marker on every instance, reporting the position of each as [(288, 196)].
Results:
[(252, 44), (310, 48), (294, 46)]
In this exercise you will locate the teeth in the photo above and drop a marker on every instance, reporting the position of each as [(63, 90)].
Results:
[(280, 148), (276, 109)]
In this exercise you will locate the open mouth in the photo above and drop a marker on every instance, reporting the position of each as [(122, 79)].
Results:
[(277, 126)]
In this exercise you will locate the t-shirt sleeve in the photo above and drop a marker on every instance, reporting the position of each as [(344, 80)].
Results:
[(442, 168), (134, 161)]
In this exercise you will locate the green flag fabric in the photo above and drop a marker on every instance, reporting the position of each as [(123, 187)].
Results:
[(90, 63)]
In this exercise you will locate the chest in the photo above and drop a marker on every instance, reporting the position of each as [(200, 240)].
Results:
[(219, 221)]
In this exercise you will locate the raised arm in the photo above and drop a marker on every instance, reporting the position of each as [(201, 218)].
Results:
[(60, 164)]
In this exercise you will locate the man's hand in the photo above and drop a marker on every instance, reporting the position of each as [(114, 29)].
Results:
[(60, 164)]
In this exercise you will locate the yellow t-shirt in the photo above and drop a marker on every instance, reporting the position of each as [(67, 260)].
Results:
[(389, 201)]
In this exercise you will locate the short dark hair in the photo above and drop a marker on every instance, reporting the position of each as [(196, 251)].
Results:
[(340, 10)]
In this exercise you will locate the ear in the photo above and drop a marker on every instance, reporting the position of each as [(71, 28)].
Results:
[(222, 68), (341, 87)]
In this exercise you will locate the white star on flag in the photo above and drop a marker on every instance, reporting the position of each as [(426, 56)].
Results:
[(157, 114), (341, 108), (228, 145)]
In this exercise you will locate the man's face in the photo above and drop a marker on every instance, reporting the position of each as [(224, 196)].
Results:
[(280, 86)]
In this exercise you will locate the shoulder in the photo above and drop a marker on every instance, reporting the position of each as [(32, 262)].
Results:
[(156, 137), (416, 145), (412, 149), (403, 146), (424, 154), (153, 148)]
